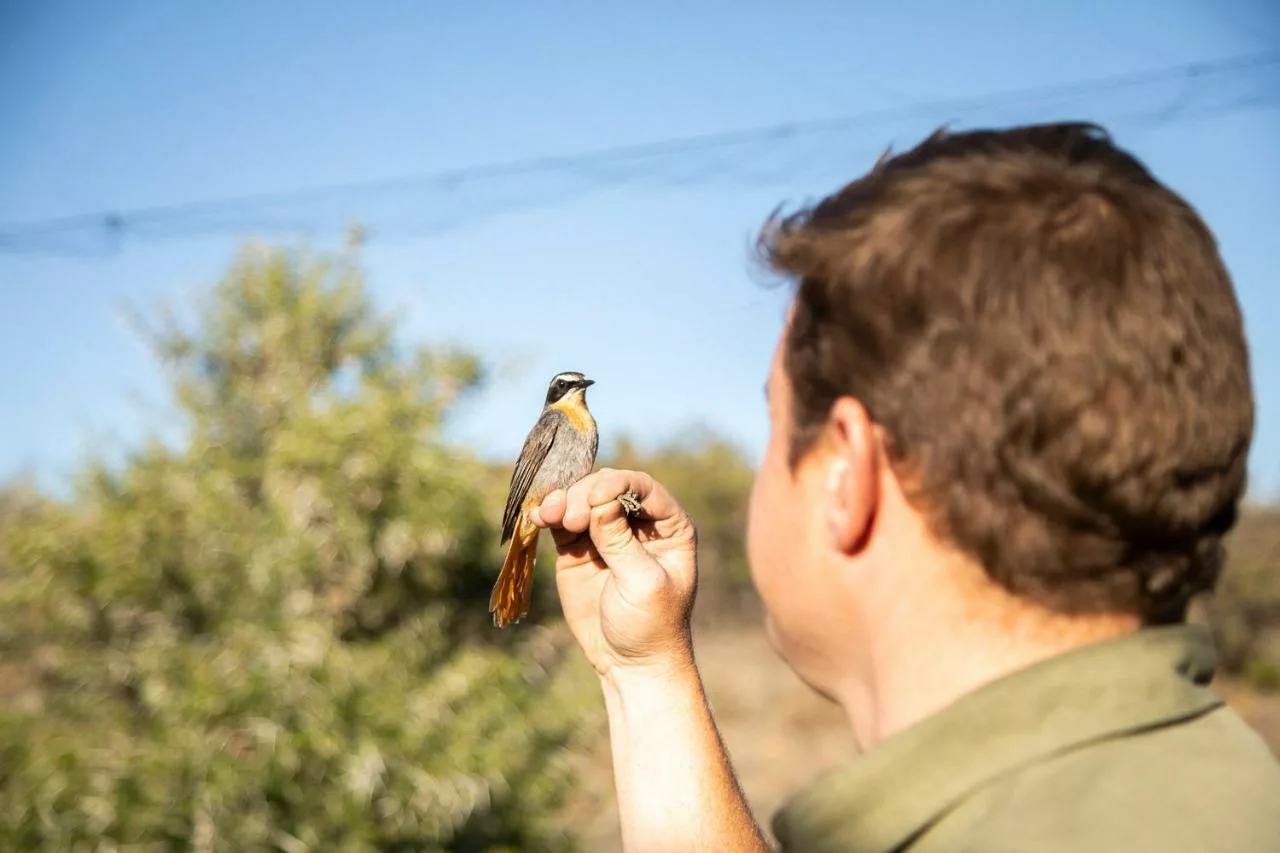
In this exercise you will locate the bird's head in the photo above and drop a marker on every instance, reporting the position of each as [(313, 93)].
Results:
[(570, 386)]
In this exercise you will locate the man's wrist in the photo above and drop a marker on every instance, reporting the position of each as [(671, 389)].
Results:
[(661, 728), (656, 673)]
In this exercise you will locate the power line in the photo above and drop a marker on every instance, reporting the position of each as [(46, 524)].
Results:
[(114, 224)]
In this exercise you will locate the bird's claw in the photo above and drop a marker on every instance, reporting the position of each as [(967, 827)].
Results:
[(630, 504)]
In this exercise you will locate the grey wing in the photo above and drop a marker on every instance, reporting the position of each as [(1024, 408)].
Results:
[(531, 457)]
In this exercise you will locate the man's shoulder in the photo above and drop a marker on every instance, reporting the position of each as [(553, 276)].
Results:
[(1117, 746), (1206, 783)]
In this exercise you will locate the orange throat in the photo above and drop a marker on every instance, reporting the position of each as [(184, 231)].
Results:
[(577, 414)]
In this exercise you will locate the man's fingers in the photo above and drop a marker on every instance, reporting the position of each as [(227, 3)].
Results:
[(634, 570), (604, 487), (612, 534), (577, 548), (578, 499), (592, 503), (612, 483), (550, 513)]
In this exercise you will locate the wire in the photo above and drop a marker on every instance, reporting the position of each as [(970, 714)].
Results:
[(30, 236)]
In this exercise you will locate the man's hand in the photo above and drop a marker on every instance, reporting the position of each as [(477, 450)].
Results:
[(627, 577), (627, 586)]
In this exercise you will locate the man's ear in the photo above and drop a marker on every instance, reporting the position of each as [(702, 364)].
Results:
[(852, 475)]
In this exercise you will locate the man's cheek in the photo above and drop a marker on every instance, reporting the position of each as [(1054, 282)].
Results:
[(753, 530)]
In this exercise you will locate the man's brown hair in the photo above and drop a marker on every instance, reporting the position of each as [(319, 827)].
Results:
[(1053, 346)]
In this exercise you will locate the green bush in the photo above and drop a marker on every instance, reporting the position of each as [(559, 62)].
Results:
[(275, 635), (1244, 611)]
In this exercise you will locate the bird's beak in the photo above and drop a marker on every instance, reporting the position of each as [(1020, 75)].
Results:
[(586, 383)]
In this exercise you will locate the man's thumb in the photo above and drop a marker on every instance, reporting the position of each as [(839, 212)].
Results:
[(612, 535), (638, 576), (635, 572)]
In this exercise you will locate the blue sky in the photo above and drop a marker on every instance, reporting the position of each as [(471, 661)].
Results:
[(646, 283)]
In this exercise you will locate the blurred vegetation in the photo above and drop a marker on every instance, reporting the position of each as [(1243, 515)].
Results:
[(1244, 611), (275, 637)]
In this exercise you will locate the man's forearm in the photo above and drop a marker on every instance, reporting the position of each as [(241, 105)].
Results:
[(676, 789)]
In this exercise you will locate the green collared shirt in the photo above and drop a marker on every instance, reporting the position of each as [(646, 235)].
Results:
[(1118, 746)]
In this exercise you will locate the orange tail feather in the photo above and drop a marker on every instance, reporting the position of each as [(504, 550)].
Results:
[(509, 601)]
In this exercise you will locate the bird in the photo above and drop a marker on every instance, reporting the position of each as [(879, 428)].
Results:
[(559, 450)]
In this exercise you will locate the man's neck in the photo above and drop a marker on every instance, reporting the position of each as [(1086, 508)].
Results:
[(944, 643)]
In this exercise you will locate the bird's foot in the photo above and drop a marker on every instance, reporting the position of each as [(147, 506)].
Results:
[(630, 504)]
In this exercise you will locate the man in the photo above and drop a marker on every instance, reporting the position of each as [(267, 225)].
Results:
[(1010, 413)]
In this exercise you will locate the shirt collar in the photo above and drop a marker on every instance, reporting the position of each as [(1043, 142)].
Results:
[(1153, 677)]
